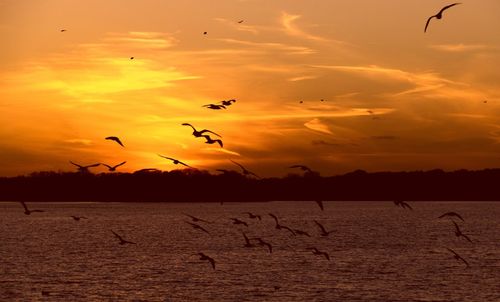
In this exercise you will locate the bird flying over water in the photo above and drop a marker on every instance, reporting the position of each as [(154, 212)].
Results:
[(324, 232), (237, 221), (211, 141), (116, 139), (300, 232), (63, 30), (438, 15), (264, 243), (278, 226), (214, 106), (28, 211), (197, 227), (113, 168), (458, 257), (244, 170), (77, 218), (241, 21), (252, 216), (452, 214), (207, 258), (197, 133), (317, 252), (459, 233), (195, 219), (84, 169), (402, 204), (320, 204), (247, 241), (122, 241), (175, 161)]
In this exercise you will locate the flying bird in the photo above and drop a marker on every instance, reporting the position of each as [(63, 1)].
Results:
[(459, 233), (278, 226), (237, 221), (197, 133), (204, 32), (252, 216), (324, 232), (28, 211), (458, 257), (131, 58), (266, 244), (116, 139), (195, 219), (77, 218), (211, 141), (301, 167), (122, 241), (197, 227), (247, 241), (402, 204), (245, 171), (438, 15), (63, 30), (241, 21), (84, 169), (300, 232), (113, 168), (228, 102), (175, 161), (214, 106), (320, 204), (317, 252), (207, 258), (452, 214)]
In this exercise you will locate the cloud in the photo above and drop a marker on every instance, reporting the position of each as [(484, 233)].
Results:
[(317, 125), (459, 47), (291, 49), (288, 22), (302, 78)]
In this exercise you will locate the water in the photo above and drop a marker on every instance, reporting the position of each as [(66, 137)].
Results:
[(378, 252)]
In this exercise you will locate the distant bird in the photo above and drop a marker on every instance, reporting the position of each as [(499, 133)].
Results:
[(63, 30), (370, 111), (77, 218), (175, 161), (228, 102), (197, 227), (245, 171), (438, 15), (195, 219), (241, 21), (214, 106), (317, 252), (204, 32), (322, 100), (485, 101), (122, 241), (252, 216), (237, 221), (300, 232), (459, 233), (458, 257), (324, 232), (266, 244), (116, 139), (278, 226), (28, 211), (320, 204), (402, 204), (131, 58), (113, 168), (211, 141), (207, 258), (301, 102), (247, 241), (197, 133), (301, 167), (452, 214), (84, 169)]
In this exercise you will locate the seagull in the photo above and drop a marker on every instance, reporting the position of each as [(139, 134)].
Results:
[(116, 139), (402, 204), (247, 241), (77, 218), (228, 102), (209, 259), (63, 30), (84, 169), (212, 141), (28, 211), (197, 133), (252, 216), (263, 243), (131, 58), (459, 233), (214, 106), (237, 221), (301, 167), (458, 257), (300, 232), (452, 214), (241, 21), (438, 15), (122, 241), (315, 251), (195, 219), (204, 32), (320, 204), (113, 168), (175, 161), (324, 232), (278, 226), (245, 171), (195, 226)]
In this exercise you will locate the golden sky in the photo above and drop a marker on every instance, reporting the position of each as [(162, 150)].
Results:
[(394, 97)]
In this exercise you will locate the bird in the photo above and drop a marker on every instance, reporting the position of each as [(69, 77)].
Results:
[(131, 58), (301, 102), (263, 243), (197, 227), (324, 232), (116, 139), (245, 171), (197, 133), (317, 252), (211, 141), (195, 219), (278, 226), (459, 233), (209, 259), (84, 169), (63, 30), (301, 167), (122, 241), (227, 102), (77, 218), (175, 161), (438, 15), (247, 241), (113, 168), (241, 21), (252, 216), (28, 211), (204, 32), (300, 232), (237, 221), (452, 214), (458, 257), (402, 204), (214, 106), (320, 204)]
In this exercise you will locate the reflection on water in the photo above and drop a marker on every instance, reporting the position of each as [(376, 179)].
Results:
[(379, 252)]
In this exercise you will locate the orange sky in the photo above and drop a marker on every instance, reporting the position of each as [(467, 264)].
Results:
[(61, 93)]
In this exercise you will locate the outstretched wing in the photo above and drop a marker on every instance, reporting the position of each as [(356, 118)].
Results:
[(243, 168), (120, 164), (320, 226), (94, 165), (24, 206), (427, 24), (76, 164), (320, 204), (169, 158), (117, 236), (448, 6), (206, 130)]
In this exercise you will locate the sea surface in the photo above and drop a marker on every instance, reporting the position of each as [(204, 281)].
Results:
[(378, 252)]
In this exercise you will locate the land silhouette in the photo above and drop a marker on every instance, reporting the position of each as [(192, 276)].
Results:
[(191, 185)]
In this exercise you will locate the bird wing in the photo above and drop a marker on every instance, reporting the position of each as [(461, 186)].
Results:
[(404, 204), (457, 215), (212, 262), (41, 211), (456, 227), (448, 6), (170, 158), (427, 24), (117, 236), (187, 124), (320, 226), (76, 164), (289, 229), (320, 204), (463, 235), (94, 165), (465, 261), (326, 255), (24, 206), (246, 238), (206, 130), (238, 164), (120, 164), (108, 166), (274, 217), (184, 164)]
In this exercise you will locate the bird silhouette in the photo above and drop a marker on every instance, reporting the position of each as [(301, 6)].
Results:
[(438, 15), (211, 141), (205, 32), (197, 133), (122, 241), (459, 233), (244, 170), (324, 232), (113, 168), (237, 221), (77, 218), (279, 226), (196, 219), (320, 204), (28, 211), (116, 139), (261, 242), (214, 106), (174, 161), (301, 167), (84, 169), (300, 232), (63, 30), (402, 204), (247, 241), (241, 21), (317, 252), (458, 257), (452, 214), (131, 58), (228, 102), (204, 257), (252, 216), (197, 227)]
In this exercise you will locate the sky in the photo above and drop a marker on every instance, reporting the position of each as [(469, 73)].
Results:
[(394, 98)]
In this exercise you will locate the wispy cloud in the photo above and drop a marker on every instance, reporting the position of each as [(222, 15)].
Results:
[(288, 22), (302, 78), (318, 125), (291, 49), (458, 47)]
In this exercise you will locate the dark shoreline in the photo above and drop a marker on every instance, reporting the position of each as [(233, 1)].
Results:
[(201, 186)]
